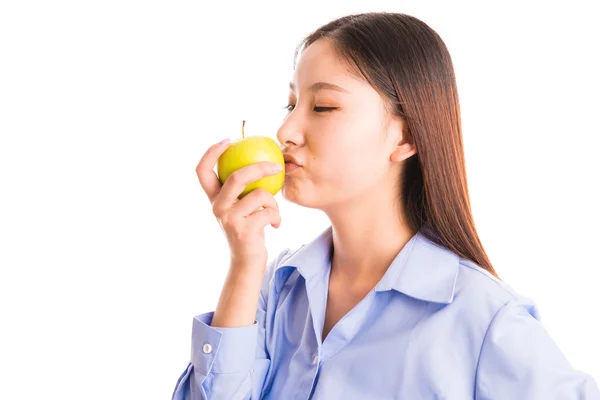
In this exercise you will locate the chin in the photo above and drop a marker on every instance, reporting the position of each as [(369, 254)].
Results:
[(291, 193), (303, 198)]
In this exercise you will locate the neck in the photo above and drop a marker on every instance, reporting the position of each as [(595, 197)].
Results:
[(366, 243)]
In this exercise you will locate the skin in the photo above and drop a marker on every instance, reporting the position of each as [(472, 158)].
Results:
[(351, 159)]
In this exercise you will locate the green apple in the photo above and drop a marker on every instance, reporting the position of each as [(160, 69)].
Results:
[(250, 150)]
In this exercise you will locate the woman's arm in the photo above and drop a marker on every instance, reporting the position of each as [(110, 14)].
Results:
[(519, 360), (230, 362)]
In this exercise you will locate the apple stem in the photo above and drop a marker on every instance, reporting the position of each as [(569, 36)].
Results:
[(243, 123)]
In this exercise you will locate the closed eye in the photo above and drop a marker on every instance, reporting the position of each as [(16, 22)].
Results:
[(290, 107), (324, 109)]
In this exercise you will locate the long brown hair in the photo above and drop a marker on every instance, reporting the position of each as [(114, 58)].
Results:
[(407, 62)]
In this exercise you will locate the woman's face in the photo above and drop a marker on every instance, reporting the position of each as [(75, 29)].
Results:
[(339, 136)]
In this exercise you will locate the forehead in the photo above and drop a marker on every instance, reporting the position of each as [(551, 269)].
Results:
[(321, 62)]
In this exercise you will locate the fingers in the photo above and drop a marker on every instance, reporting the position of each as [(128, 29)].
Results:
[(252, 202), (253, 212), (208, 178), (265, 217), (239, 179)]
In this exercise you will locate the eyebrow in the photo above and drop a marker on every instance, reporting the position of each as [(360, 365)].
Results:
[(315, 87)]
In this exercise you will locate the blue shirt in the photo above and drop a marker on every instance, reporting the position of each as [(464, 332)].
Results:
[(436, 326)]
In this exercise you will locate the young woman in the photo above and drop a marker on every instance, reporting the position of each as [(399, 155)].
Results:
[(397, 298)]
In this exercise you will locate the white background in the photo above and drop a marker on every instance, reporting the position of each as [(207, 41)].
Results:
[(108, 246)]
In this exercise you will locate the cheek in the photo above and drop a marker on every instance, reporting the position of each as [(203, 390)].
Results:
[(337, 142), (348, 165), (346, 148)]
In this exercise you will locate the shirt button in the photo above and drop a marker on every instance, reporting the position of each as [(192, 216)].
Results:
[(207, 348), (315, 360)]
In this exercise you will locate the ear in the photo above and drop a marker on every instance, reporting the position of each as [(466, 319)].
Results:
[(405, 146)]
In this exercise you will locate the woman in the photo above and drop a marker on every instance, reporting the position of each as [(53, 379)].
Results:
[(397, 298)]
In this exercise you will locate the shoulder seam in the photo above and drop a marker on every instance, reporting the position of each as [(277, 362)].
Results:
[(485, 337), (513, 295)]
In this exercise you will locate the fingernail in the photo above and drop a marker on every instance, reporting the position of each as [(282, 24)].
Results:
[(277, 167), (224, 141)]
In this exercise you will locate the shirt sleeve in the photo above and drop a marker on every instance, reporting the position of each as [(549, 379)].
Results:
[(228, 363), (519, 360)]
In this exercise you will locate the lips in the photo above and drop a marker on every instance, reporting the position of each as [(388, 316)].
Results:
[(288, 158), (289, 167)]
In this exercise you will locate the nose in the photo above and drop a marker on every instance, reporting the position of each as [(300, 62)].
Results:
[(290, 133)]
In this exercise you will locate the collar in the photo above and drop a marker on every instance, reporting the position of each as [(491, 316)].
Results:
[(423, 269)]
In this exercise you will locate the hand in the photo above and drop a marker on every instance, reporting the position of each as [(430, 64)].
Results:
[(243, 221)]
